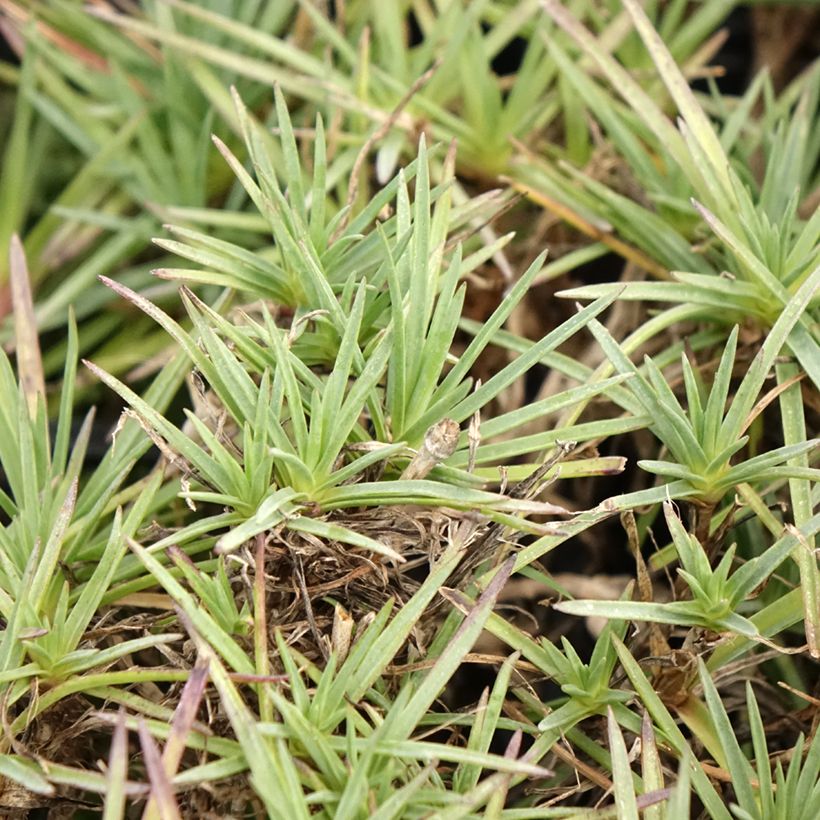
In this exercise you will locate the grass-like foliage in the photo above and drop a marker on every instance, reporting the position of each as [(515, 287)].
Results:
[(367, 521)]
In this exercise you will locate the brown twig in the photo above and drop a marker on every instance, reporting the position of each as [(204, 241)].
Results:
[(379, 133)]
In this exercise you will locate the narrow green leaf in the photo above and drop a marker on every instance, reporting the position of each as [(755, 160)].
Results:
[(204, 623), (756, 375), (625, 799)]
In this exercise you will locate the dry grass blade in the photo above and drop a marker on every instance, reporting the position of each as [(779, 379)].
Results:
[(27, 342), (163, 804), (183, 721), (599, 233), (21, 18), (117, 773)]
